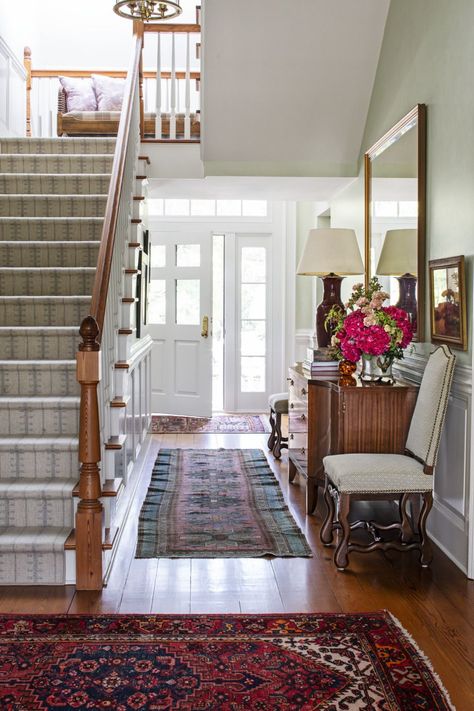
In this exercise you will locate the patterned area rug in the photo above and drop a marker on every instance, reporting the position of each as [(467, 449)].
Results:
[(216, 503), (219, 424), (222, 663)]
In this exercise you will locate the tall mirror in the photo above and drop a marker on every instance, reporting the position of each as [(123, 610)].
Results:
[(395, 214)]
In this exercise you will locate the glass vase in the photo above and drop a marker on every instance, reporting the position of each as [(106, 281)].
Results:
[(377, 369)]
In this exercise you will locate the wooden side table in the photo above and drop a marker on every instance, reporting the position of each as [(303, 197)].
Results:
[(327, 416)]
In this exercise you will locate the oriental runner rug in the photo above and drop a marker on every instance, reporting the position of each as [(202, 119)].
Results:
[(219, 424), (214, 663), (216, 503)]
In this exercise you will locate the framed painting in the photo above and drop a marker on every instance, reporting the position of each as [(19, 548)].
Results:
[(448, 302)]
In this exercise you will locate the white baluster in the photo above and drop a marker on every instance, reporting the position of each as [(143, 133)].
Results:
[(158, 120), (187, 115), (173, 89)]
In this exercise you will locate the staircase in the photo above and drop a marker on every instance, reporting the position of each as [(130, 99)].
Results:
[(52, 202)]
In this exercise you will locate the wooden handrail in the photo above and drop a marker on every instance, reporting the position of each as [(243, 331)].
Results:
[(89, 515), (171, 28), (113, 73), (104, 261)]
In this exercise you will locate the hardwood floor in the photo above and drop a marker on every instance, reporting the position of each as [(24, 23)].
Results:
[(435, 605)]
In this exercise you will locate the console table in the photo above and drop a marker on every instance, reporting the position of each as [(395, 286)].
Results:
[(335, 416)]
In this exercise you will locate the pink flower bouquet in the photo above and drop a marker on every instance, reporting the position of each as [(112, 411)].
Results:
[(369, 329)]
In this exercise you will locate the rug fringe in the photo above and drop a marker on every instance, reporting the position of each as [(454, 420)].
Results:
[(424, 657)]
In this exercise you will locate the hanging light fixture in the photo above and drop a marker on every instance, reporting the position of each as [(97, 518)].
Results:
[(148, 10)]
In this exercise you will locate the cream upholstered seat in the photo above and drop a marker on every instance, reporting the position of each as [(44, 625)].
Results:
[(374, 476), (377, 473)]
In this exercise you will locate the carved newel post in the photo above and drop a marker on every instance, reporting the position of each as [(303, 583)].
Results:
[(89, 516)]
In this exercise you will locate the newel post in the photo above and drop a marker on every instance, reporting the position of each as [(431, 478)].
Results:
[(89, 516), (27, 65)]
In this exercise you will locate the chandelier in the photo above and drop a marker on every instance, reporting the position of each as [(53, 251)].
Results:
[(148, 10)]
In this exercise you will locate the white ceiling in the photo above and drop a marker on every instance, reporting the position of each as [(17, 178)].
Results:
[(289, 81), (313, 189)]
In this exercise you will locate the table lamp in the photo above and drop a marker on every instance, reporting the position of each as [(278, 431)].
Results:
[(330, 253), (398, 258)]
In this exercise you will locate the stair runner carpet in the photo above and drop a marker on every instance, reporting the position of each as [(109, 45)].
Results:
[(52, 203)]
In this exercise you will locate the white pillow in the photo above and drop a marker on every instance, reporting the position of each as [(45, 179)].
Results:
[(109, 92), (80, 94)]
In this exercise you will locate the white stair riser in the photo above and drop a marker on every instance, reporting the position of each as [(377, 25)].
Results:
[(54, 380), (46, 312), (36, 421), (47, 282), (32, 463), (57, 145), (52, 205), (51, 229), (31, 184), (130, 285), (128, 315), (32, 568), (125, 342), (19, 344), (23, 512), (66, 163), (49, 254)]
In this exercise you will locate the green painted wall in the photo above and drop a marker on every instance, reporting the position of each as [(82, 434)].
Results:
[(305, 220), (427, 57)]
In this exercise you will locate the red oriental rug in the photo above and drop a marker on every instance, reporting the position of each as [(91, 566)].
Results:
[(226, 663)]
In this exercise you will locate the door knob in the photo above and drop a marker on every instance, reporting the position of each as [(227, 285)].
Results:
[(205, 327)]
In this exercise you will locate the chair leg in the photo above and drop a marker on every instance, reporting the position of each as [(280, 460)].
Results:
[(326, 532), (426, 549), (406, 531), (272, 438), (277, 447), (341, 557)]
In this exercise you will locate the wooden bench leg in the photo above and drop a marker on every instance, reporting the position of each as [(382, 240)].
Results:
[(281, 442), (273, 436)]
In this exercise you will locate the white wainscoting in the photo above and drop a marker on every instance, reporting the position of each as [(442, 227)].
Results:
[(448, 523), (12, 93)]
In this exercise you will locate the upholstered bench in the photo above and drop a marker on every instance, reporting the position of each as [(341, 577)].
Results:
[(278, 404)]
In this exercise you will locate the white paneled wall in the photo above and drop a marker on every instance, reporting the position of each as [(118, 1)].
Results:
[(12, 93), (448, 523)]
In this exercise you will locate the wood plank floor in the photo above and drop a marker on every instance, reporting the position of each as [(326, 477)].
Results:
[(436, 605)]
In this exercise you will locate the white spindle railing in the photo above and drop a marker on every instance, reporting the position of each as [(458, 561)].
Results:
[(158, 122), (173, 88), (187, 115)]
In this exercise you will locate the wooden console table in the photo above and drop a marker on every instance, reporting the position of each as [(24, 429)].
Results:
[(328, 417)]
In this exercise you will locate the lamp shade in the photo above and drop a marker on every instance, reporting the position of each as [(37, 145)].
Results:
[(399, 253), (330, 250)]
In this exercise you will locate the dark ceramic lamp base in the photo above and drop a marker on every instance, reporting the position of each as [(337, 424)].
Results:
[(331, 297)]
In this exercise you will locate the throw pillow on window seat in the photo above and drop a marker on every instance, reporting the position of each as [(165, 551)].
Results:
[(80, 95), (109, 92)]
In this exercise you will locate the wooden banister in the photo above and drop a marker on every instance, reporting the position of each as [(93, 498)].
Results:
[(104, 261), (113, 73), (27, 65), (89, 516), (171, 28)]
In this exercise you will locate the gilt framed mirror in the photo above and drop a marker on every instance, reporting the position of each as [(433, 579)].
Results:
[(395, 215)]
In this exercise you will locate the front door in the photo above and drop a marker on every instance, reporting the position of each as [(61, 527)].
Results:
[(180, 323)]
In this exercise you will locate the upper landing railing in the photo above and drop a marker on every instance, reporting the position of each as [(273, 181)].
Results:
[(169, 86)]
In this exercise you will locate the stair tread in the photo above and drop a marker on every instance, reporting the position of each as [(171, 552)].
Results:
[(31, 243), (33, 539), (38, 443), (35, 487), (15, 400), (39, 330), (40, 218), (38, 363), (45, 297), (40, 270), (54, 175)]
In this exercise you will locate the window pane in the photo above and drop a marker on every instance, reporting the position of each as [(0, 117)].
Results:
[(253, 264), (254, 208), (157, 301), (158, 255), (177, 208), (252, 338), (386, 208), (252, 375), (188, 255), (188, 305), (203, 208), (408, 208), (253, 301), (229, 208), (155, 206)]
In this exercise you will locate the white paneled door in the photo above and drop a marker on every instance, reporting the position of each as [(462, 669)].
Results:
[(179, 320)]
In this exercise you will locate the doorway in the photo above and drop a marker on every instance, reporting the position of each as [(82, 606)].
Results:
[(212, 310)]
